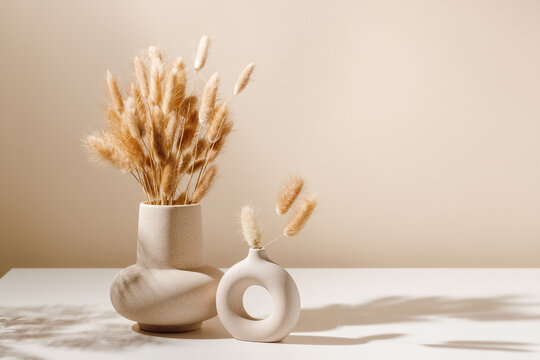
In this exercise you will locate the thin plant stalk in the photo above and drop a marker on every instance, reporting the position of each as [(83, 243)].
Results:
[(270, 225), (211, 147), (271, 241)]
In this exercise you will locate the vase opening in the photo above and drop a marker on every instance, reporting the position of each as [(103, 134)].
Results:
[(145, 203)]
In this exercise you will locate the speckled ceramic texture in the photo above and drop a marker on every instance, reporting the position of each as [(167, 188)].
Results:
[(169, 289), (258, 269)]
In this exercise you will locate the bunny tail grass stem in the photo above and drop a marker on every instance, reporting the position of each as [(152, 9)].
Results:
[(269, 226), (202, 168), (205, 184), (206, 113), (193, 164), (195, 153), (246, 76), (200, 60), (137, 178), (202, 52), (144, 184), (178, 152), (211, 147), (213, 133), (274, 239)]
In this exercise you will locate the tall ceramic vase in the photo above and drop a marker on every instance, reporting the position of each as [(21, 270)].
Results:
[(258, 269), (169, 289)]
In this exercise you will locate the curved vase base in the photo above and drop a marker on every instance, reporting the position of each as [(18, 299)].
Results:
[(170, 328)]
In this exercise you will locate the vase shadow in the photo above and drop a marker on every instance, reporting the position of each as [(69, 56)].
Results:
[(400, 309), (210, 329)]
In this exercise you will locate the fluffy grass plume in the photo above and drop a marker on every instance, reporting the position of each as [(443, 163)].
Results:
[(287, 197), (155, 55), (206, 112), (180, 79), (202, 53), (250, 227), (104, 151), (301, 217), (220, 116), (168, 96), (155, 83), (114, 93), (153, 133), (243, 79), (205, 184), (140, 73), (288, 194), (132, 120)]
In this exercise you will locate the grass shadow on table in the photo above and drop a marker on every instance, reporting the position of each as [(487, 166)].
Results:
[(90, 328), (484, 345), (336, 340), (401, 309), (392, 309)]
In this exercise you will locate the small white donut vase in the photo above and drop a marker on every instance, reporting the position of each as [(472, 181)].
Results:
[(258, 269)]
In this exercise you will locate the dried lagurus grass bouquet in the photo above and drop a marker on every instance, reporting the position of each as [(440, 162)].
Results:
[(286, 199), (161, 133)]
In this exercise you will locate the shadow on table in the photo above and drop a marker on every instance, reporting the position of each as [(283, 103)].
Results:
[(484, 345), (397, 309), (97, 329), (65, 326), (385, 310), (335, 340), (210, 329)]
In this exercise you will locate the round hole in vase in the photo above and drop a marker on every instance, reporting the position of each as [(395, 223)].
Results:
[(257, 302), (258, 269)]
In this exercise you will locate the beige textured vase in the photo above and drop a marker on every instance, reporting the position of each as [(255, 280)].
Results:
[(258, 269), (169, 289)]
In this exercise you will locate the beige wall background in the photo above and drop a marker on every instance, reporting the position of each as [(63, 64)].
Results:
[(418, 122)]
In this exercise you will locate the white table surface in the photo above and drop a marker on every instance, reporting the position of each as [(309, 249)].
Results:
[(346, 314)]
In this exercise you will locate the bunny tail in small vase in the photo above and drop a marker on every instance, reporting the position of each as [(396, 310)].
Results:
[(258, 269), (167, 140)]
